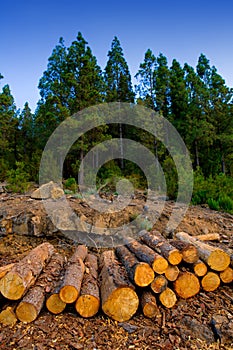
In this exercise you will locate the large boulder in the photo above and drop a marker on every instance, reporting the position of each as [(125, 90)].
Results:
[(49, 190)]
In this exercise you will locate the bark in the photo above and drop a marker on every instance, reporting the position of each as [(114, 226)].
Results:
[(216, 258), (88, 303), (148, 255), (24, 273), (210, 282), (73, 276), (168, 298), (118, 296), (5, 269), (149, 305), (189, 251), (159, 284), (157, 242), (31, 305), (186, 285), (200, 269), (139, 272), (172, 272)]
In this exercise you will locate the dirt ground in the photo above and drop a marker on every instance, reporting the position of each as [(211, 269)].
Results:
[(202, 322)]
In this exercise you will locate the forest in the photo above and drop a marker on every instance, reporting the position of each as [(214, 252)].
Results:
[(196, 100)]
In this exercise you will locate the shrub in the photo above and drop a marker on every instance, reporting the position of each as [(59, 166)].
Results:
[(226, 203), (18, 179), (213, 204), (70, 184)]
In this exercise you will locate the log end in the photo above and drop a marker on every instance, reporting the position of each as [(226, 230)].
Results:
[(11, 286), (219, 260), (200, 269), (143, 275), (87, 305), (210, 282), (26, 312), (168, 298), (190, 255), (68, 294), (8, 317), (227, 275), (150, 310), (55, 305), (160, 265), (175, 257), (187, 285), (122, 304)]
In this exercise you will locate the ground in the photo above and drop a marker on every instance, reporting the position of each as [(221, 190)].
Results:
[(202, 322)]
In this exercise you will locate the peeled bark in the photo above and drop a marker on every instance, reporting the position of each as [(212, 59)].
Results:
[(186, 285), (31, 305), (210, 282), (157, 242), (189, 251), (149, 305), (172, 272), (200, 269), (168, 298), (73, 276), (118, 296), (159, 284), (148, 255), (139, 272), (24, 273), (216, 258), (88, 303)]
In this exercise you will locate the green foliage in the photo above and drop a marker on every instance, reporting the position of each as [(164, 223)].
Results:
[(213, 204), (70, 184), (18, 179)]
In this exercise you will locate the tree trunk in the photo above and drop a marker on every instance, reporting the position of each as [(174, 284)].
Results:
[(31, 305), (200, 268), (73, 276), (5, 269), (88, 303), (210, 282), (216, 258), (148, 255), (149, 305), (189, 251), (139, 272), (168, 298), (186, 285), (172, 272), (24, 273), (118, 297), (159, 284), (157, 242)]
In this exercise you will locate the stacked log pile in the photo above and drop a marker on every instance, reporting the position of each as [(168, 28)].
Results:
[(151, 272)]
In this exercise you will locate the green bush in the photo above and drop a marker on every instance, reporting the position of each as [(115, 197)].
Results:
[(70, 184), (18, 179), (226, 203), (213, 204)]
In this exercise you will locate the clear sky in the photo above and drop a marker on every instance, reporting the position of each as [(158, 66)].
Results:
[(181, 29)]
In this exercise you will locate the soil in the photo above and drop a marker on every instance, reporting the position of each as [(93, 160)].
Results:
[(202, 322)]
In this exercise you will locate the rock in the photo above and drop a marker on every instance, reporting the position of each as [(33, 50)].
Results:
[(2, 190), (49, 190)]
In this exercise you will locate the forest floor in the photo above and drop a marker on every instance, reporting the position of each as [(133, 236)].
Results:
[(202, 322)]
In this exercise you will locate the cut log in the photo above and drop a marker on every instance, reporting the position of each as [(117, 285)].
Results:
[(5, 269), (172, 272), (149, 305), (200, 269), (24, 273), (226, 276), (139, 272), (168, 298), (73, 276), (157, 242), (210, 282), (118, 296), (216, 258), (189, 251), (209, 237), (159, 284), (186, 285), (8, 316), (31, 305), (88, 303), (54, 303), (148, 255)]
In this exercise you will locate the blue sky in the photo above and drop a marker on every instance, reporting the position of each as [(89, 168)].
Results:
[(29, 30)]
